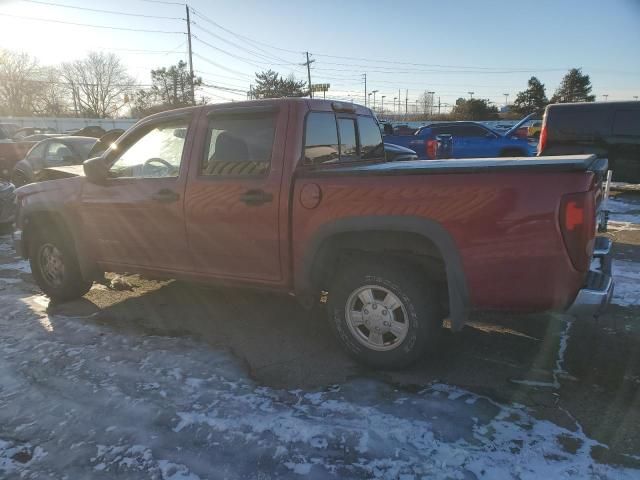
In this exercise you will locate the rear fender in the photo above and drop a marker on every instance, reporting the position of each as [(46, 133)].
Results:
[(459, 302)]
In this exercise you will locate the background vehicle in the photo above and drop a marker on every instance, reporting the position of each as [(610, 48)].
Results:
[(295, 195), (7, 205), (533, 131), (396, 153), (21, 133), (52, 152), (470, 140), (8, 130), (607, 129)]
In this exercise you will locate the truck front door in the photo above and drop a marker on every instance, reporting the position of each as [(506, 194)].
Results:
[(233, 194), (136, 218)]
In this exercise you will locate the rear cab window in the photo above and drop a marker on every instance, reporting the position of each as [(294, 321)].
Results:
[(331, 138)]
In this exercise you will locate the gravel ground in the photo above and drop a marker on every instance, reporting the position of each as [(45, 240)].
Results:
[(172, 380)]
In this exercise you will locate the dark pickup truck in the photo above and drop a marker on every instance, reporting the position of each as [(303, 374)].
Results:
[(296, 196), (606, 129)]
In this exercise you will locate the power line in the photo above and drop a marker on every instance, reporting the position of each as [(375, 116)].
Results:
[(219, 66), (264, 58), (113, 12), (88, 25), (243, 36), (163, 2)]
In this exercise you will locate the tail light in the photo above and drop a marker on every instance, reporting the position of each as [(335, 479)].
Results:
[(432, 148), (542, 142), (577, 224)]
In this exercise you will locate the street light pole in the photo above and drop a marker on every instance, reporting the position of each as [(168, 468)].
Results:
[(471, 95), (374, 99), (605, 96), (506, 99), (394, 104), (431, 105), (382, 104)]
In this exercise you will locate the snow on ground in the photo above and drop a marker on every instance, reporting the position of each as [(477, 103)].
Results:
[(85, 401), (623, 215), (626, 275)]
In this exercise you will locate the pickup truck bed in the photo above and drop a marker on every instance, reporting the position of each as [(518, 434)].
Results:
[(266, 195)]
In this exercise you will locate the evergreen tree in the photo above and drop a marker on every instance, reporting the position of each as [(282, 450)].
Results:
[(474, 109), (533, 99), (575, 87), (270, 84)]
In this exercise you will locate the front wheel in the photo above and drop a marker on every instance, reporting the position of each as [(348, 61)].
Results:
[(54, 265), (383, 315)]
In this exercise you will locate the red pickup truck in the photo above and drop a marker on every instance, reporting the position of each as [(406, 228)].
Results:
[(296, 196)]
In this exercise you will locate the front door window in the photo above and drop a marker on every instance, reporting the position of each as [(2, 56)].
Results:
[(156, 154)]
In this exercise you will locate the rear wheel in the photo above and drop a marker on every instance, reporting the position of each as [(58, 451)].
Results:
[(54, 265), (384, 315)]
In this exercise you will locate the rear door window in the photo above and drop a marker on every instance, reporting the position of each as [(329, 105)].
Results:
[(239, 145), (371, 145), (321, 139), (348, 142)]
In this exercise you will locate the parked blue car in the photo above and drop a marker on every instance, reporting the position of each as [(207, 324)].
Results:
[(469, 140)]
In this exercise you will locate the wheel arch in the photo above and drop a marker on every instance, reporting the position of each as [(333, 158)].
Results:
[(414, 240), (40, 216)]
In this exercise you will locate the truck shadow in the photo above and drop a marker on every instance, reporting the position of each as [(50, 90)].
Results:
[(284, 345)]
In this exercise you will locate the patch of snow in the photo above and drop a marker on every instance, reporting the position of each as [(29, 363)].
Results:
[(100, 391), (20, 266), (626, 291)]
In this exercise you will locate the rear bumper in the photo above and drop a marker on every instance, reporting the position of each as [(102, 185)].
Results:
[(594, 297)]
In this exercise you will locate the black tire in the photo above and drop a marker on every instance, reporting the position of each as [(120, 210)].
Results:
[(19, 179), (419, 299), (71, 285)]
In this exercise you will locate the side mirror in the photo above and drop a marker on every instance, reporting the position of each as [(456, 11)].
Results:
[(96, 170)]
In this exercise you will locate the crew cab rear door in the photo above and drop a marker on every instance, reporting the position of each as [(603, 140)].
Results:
[(136, 218), (233, 193)]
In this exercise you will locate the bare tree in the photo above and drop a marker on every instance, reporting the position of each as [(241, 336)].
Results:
[(53, 98), (20, 83), (98, 84)]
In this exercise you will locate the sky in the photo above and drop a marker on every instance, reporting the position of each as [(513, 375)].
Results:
[(451, 48)]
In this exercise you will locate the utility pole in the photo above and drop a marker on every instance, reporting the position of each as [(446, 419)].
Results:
[(308, 65), (406, 103), (193, 91), (365, 89), (394, 104), (439, 105)]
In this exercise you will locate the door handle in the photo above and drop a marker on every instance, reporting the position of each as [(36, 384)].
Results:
[(255, 198), (165, 196)]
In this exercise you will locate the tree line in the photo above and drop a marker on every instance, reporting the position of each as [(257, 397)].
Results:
[(99, 86), (574, 87)]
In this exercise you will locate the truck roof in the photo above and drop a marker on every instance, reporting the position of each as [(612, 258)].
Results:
[(306, 103)]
